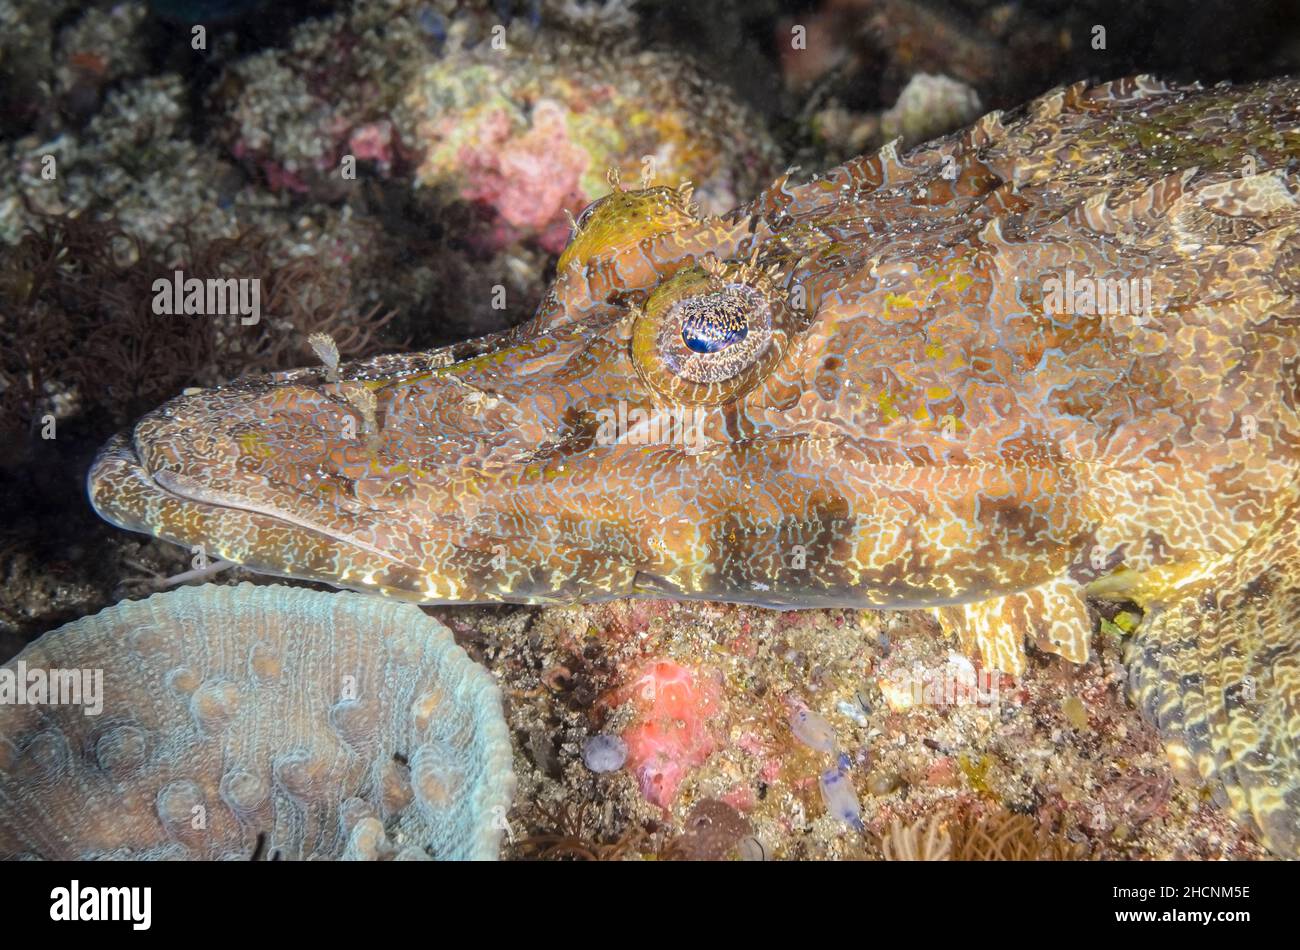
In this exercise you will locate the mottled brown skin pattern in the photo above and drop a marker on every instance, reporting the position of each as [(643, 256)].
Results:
[(915, 423)]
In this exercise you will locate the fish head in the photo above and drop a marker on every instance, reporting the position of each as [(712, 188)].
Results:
[(701, 408)]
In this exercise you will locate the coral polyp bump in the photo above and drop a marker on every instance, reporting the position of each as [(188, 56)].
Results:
[(254, 722)]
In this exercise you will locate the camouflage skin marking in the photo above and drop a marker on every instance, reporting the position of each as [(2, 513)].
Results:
[(919, 424)]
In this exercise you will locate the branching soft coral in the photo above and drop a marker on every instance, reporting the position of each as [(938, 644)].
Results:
[(999, 836), (569, 839)]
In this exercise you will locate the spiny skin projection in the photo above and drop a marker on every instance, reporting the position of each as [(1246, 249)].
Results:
[(257, 722), (1054, 354)]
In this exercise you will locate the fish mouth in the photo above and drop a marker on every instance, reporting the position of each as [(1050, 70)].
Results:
[(429, 561), (438, 492), (204, 471), (177, 508), (124, 492), (117, 484)]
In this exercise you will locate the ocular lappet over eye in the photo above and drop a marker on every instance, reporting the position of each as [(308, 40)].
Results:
[(711, 332), (625, 216)]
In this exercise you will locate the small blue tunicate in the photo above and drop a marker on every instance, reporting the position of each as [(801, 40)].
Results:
[(604, 753), (812, 730), (840, 797)]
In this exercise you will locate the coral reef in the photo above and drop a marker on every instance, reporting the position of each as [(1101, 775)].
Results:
[(532, 135), (137, 155), (966, 748), (452, 225), (713, 831), (826, 734), (929, 106), (1003, 836), (566, 837), (55, 60), (877, 45), (925, 840), (477, 144), (255, 722)]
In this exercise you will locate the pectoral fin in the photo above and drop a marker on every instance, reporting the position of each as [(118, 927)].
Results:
[(1052, 615)]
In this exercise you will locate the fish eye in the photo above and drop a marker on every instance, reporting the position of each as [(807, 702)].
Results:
[(713, 331), (709, 333)]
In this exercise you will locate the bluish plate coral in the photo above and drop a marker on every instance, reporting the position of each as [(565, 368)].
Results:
[(252, 722)]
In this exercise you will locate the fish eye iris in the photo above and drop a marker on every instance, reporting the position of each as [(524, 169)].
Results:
[(713, 323)]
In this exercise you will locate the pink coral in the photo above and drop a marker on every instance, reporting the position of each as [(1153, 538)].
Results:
[(670, 735), (528, 177)]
